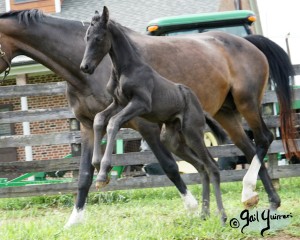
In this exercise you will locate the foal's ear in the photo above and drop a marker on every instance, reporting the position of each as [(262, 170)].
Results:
[(105, 14)]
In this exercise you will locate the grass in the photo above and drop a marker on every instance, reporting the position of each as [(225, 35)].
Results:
[(139, 214)]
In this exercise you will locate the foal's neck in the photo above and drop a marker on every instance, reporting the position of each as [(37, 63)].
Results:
[(123, 51)]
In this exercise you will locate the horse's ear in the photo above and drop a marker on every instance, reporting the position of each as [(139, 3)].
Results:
[(96, 12), (105, 14)]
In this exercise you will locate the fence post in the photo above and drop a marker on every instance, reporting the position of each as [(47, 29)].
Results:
[(268, 110), (116, 171), (273, 163), (75, 150)]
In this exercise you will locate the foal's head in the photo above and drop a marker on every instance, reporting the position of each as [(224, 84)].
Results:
[(97, 42)]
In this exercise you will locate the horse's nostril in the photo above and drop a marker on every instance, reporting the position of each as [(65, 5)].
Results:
[(84, 67)]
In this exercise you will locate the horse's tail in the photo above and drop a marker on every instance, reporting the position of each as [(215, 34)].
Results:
[(281, 71), (216, 128)]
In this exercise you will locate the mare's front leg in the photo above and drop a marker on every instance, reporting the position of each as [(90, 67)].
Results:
[(86, 172), (134, 108), (100, 122)]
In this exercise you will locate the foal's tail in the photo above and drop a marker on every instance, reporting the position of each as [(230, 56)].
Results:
[(281, 71), (216, 128)]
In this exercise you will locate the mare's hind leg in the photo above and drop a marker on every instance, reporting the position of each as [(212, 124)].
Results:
[(263, 139), (231, 121)]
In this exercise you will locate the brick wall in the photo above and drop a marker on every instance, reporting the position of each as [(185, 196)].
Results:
[(50, 126)]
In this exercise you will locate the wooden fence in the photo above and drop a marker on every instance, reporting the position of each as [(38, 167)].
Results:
[(126, 159)]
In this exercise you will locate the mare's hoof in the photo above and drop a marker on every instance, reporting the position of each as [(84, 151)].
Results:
[(251, 202), (274, 206), (102, 184)]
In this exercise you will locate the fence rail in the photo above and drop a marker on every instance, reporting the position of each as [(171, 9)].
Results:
[(138, 182), (74, 136), (126, 159), (137, 158)]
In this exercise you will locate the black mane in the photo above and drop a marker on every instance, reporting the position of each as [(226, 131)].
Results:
[(126, 32), (24, 16)]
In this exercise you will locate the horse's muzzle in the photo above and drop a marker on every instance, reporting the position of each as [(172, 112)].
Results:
[(86, 69)]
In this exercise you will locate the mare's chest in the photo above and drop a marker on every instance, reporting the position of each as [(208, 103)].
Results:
[(86, 105)]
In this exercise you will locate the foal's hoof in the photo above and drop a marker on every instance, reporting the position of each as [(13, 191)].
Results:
[(251, 202), (102, 184), (223, 219), (97, 166), (204, 216)]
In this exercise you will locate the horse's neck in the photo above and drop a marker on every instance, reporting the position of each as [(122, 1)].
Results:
[(122, 52), (52, 42), (57, 43)]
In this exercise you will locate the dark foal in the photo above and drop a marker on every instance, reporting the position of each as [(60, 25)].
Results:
[(138, 90)]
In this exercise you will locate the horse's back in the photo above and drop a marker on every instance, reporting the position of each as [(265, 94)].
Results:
[(213, 64)]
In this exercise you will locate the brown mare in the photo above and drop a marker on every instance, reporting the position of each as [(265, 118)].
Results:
[(221, 82)]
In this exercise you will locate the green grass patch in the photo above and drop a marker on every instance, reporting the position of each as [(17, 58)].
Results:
[(139, 214)]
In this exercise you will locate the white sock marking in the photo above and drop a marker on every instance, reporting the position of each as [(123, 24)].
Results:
[(77, 216), (189, 201), (250, 179)]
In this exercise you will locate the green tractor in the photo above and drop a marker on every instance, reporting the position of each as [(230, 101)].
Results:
[(234, 22)]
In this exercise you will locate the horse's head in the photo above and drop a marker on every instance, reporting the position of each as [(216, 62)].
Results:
[(98, 42), (6, 52), (12, 23)]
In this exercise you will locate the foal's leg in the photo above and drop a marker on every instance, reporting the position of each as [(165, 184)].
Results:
[(151, 133), (173, 140), (193, 122), (133, 108), (194, 139), (100, 122)]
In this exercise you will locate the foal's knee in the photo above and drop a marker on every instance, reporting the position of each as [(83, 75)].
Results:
[(112, 125), (214, 172), (98, 122)]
